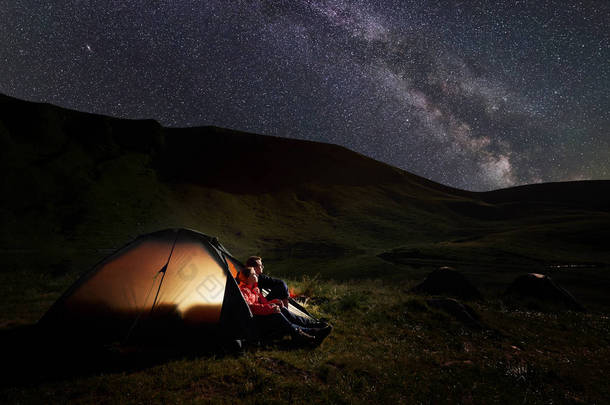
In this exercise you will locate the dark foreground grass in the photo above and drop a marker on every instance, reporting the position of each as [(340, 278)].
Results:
[(388, 346)]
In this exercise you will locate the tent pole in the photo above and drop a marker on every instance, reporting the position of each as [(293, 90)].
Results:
[(163, 270)]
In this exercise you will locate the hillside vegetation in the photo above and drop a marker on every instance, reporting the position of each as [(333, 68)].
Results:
[(355, 234), (89, 181)]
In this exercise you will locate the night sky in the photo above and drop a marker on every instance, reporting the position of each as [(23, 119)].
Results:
[(471, 94)]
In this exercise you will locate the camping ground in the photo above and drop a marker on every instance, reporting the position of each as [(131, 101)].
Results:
[(388, 345), (77, 186)]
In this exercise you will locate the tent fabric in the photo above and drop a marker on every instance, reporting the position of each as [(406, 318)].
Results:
[(164, 283), (184, 273)]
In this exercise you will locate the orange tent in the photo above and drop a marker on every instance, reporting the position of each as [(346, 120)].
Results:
[(166, 282)]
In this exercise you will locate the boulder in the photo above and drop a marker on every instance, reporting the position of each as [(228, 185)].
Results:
[(447, 281), (541, 292), (462, 312)]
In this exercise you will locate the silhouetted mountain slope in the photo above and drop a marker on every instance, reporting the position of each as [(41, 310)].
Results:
[(591, 194), (250, 163), (73, 178), (209, 156)]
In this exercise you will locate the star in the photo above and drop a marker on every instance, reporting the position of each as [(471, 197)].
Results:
[(471, 98)]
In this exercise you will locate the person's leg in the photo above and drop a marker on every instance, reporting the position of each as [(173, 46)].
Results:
[(318, 329), (278, 289), (274, 324), (300, 320), (278, 325)]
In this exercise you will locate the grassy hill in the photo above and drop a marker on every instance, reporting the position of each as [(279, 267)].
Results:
[(94, 181), (77, 186), (355, 232)]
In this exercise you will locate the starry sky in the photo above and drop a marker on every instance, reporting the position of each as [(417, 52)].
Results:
[(477, 95)]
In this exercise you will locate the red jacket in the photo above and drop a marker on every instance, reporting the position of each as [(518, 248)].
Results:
[(257, 303)]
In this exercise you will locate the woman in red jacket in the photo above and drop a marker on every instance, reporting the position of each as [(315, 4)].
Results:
[(272, 317)]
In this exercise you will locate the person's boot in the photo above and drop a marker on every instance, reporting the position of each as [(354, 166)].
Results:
[(322, 333), (320, 323), (301, 336)]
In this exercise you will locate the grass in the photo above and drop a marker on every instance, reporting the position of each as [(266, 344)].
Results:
[(387, 346), (353, 234)]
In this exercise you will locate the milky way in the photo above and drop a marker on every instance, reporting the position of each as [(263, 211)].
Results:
[(476, 95)]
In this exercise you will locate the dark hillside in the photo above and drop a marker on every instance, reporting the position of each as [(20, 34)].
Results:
[(353, 234), (249, 163), (73, 180), (591, 194), (207, 156), (74, 174)]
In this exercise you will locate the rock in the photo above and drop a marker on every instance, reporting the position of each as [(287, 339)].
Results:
[(447, 281), (462, 312), (541, 292)]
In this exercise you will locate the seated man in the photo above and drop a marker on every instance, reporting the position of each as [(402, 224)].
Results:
[(277, 288), (272, 318)]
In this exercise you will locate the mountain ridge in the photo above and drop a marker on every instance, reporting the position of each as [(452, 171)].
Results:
[(80, 179)]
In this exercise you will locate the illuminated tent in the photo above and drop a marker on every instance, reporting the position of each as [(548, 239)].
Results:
[(162, 284)]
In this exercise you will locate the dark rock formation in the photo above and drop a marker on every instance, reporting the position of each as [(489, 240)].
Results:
[(540, 292), (462, 312), (447, 281)]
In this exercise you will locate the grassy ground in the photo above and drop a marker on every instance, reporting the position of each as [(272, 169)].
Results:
[(388, 346), (352, 233)]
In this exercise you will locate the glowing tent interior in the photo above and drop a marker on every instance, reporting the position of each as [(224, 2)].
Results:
[(168, 282)]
